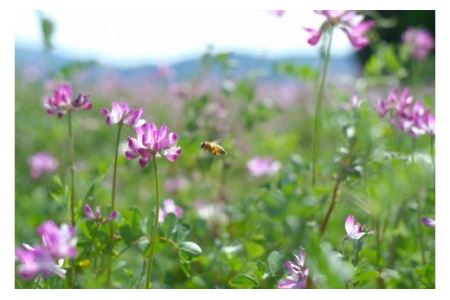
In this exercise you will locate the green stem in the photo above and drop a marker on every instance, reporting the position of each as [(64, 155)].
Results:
[(72, 169), (324, 223), (155, 226), (419, 226), (113, 204), (357, 244), (380, 281), (396, 238), (317, 114), (72, 183)]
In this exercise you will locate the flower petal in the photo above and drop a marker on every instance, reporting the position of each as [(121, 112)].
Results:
[(287, 284), (88, 212), (350, 225), (315, 35), (172, 153)]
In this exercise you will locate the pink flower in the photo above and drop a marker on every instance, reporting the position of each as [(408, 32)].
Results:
[(262, 166), (348, 21), (421, 41), (34, 260), (58, 242), (97, 215), (298, 273), (354, 230), (61, 102), (121, 113), (408, 115), (429, 222), (151, 141), (41, 163), (169, 207), (427, 123)]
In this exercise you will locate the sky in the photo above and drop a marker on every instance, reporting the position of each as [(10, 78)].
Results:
[(164, 37)]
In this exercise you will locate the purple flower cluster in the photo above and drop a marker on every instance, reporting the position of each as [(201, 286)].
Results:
[(348, 21), (62, 102), (420, 40), (263, 166), (41, 163), (151, 141), (97, 214), (169, 207), (298, 273), (58, 243), (406, 114), (121, 113)]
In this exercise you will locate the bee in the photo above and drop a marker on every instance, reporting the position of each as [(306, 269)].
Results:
[(212, 147)]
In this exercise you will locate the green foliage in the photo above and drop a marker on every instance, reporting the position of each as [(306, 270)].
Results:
[(243, 281), (47, 29)]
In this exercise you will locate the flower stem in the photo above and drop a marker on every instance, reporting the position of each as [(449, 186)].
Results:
[(324, 223), (72, 170), (357, 245), (380, 281), (113, 204), (317, 113), (419, 226), (72, 184), (154, 236)]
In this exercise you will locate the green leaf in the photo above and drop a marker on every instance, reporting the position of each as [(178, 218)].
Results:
[(127, 234), (392, 62), (186, 268), (261, 269), (373, 66), (274, 260), (366, 275), (243, 281), (131, 230), (90, 193), (190, 248), (324, 261), (182, 231), (85, 229), (254, 250), (168, 228)]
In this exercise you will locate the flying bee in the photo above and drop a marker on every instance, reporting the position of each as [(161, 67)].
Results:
[(212, 147)]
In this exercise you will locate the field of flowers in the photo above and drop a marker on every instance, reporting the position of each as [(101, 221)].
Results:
[(325, 181)]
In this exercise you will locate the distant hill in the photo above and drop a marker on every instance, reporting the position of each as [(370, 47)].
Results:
[(25, 57)]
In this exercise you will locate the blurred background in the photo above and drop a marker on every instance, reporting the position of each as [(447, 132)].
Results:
[(246, 79), (141, 41)]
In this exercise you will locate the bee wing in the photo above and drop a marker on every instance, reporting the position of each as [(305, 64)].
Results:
[(220, 150)]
